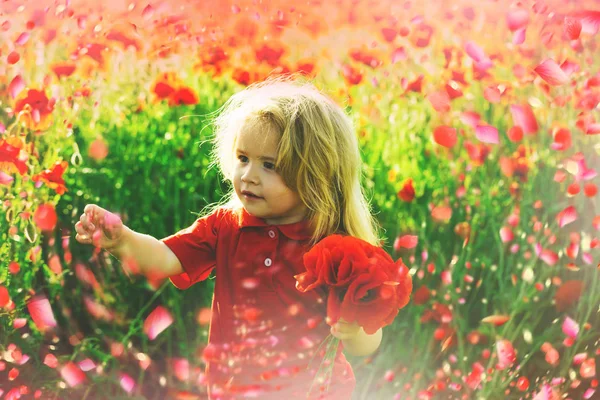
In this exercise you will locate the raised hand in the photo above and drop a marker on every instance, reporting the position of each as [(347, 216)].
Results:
[(99, 227), (345, 330)]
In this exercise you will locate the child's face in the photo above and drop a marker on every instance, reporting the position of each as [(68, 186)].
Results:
[(254, 173)]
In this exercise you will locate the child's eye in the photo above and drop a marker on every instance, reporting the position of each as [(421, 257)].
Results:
[(269, 165), (242, 158)]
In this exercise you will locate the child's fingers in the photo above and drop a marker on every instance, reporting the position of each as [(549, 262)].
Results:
[(82, 236), (341, 334), (87, 224), (94, 214)]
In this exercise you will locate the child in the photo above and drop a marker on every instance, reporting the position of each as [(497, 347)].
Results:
[(293, 159)]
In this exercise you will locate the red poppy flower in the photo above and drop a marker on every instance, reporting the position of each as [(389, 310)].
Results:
[(10, 162), (53, 177), (63, 69), (407, 192), (364, 284), (169, 87), (269, 54), (183, 95), (366, 57), (34, 109), (351, 75)]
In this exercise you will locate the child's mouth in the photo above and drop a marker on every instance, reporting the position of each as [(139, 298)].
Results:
[(250, 196)]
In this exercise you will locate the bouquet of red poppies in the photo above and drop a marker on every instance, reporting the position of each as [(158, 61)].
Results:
[(364, 286)]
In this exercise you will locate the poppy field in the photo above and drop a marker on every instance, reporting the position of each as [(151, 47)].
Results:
[(478, 123)]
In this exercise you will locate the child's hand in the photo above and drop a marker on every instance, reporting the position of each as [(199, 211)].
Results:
[(345, 330), (99, 227)]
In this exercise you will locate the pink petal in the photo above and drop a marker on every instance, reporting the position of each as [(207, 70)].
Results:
[(470, 118), (572, 28), (72, 374), (441, 213), (567, 216), (492, 94), (487, 134), (41, 313), (544, 394), (5, 179), (560, 176), (51, 361), (588, 368), (506, 234), (406, 241), (593, 129), (22, 39), (579, 358), (24, 359), (484, 64), (148, 12), (506, 354), (158, 320), (573, 250), (523, 116), (97, 310), (446, 277), (86, 365), (570, 67), (399, 55), (538, 249), (181, 368), (127, 382), (519, 36), (18, 323), (590, 21), (16, 86), (474, 51), (550, 71), (549, 257), (589, 393), (517, 19), (570, 328), (587, 258)]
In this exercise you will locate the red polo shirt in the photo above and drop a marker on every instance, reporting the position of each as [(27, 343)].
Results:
[(263, 331)]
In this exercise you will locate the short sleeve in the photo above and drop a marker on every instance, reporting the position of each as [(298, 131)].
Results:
[(195, 247)]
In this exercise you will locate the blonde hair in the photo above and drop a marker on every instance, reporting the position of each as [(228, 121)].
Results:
[(318, 153)]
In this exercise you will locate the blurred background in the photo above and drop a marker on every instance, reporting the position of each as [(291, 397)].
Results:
[(477, 123)]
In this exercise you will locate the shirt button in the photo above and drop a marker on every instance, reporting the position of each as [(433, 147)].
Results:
[(271, 234), (268, 262)]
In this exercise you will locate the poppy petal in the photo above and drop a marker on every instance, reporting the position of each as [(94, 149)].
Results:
[(551, 72), (487, 134), (158, 320), (445, 136)]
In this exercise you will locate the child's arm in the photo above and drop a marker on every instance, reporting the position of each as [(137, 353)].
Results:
[(149, 256), (142, 253)]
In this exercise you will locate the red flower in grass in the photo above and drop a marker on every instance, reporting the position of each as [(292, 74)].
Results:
[(10, 162), (169, 87), (183, 95), (34, 109), (407, 192), (63, 69), (351, 75), (53, 177)]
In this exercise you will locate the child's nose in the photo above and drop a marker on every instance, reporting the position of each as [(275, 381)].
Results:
[(250, 175)]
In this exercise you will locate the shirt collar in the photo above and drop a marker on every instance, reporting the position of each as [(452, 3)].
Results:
[(297, 231)]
